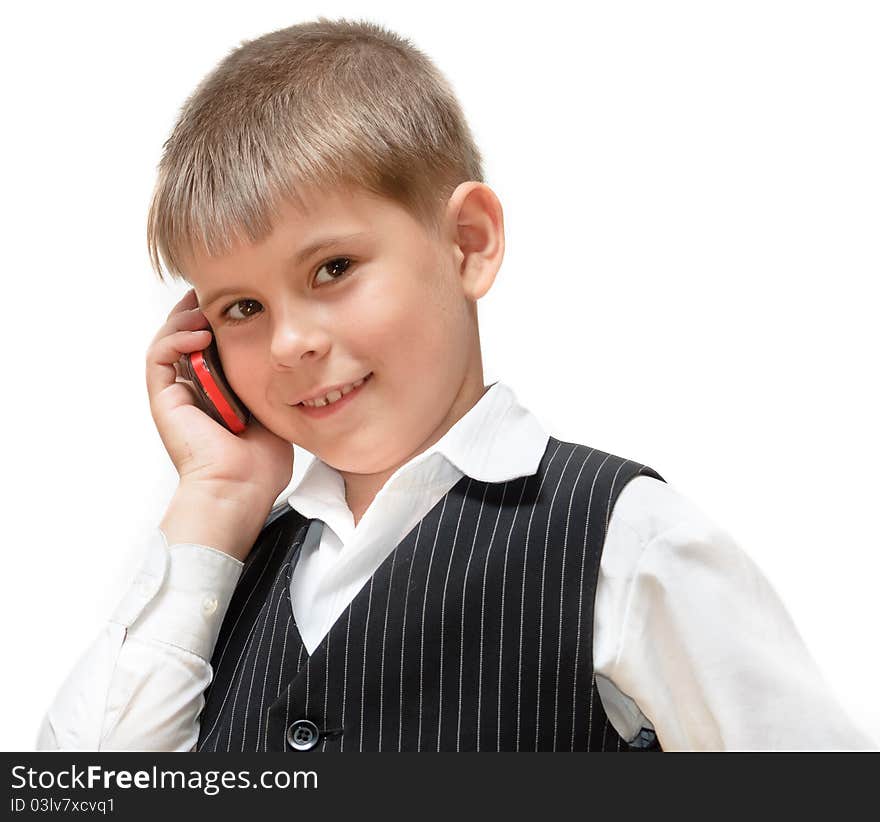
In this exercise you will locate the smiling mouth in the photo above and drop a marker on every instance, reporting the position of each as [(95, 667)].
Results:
[(334, 398)]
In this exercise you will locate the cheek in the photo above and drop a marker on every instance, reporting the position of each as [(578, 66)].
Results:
[(416, 312), (391, 323), (244, 372)]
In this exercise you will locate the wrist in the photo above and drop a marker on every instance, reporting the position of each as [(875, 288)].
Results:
[(224, 518)]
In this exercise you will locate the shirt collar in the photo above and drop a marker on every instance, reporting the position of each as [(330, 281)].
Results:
[(495, 441)]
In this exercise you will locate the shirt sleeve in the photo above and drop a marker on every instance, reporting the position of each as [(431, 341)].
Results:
[(139, 686), (691, 639)]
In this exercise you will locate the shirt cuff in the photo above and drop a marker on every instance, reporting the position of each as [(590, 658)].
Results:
[(179, 595)]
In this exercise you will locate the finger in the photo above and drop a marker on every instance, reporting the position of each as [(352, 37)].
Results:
[(165, 352), (185, 303), (186, 320)]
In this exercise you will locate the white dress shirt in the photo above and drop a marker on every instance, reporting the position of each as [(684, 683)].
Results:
[(689, 638)]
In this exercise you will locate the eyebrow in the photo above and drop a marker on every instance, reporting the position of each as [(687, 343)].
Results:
[(296, 259), (324, 242)]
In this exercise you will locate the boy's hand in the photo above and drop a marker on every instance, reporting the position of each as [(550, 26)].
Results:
[(241, 473)]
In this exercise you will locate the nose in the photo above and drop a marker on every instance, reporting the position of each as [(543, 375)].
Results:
[(293, 340)]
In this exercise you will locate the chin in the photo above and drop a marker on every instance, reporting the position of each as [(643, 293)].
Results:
[(352, 465), (356, 458)]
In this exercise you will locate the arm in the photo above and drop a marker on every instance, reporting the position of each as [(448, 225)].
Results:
[(697, 638), (139, 685)]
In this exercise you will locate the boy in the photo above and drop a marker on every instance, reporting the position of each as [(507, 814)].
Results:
[(446, 576)]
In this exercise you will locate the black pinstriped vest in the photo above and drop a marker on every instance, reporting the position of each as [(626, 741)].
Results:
[(474, 634)]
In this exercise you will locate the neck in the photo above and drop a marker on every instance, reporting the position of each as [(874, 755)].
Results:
[(361, 489)]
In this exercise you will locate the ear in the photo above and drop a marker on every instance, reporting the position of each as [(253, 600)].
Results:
[(475, 221)]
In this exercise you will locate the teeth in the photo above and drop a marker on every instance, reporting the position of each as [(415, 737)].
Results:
[(333, 396)]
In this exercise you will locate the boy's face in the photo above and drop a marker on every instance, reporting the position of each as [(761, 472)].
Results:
[(388, 299)]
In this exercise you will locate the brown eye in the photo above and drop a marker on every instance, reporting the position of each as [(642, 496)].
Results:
[(337, 267), (245, 308)]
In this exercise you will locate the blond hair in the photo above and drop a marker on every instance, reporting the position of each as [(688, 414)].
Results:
[(322, 103)]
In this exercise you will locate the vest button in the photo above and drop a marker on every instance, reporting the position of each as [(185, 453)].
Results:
[(303, 735)]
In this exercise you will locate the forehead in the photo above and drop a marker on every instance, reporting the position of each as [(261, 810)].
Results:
[(316, 220), (317, 204), (319, 213)]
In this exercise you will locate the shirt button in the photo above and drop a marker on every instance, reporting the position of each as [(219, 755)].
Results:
[(303, 735), (209, 605)]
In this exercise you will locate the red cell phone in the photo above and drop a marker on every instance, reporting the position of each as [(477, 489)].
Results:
[(212, 393)]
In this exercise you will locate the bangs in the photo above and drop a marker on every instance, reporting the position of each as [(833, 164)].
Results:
[(329, 104)]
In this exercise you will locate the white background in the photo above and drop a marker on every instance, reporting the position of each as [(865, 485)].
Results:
[(691, 206)]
